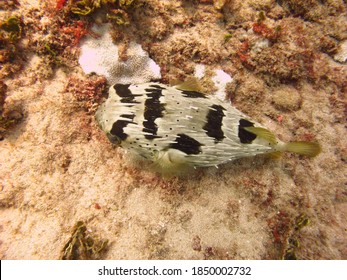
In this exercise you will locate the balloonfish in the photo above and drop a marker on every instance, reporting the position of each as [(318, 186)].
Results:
[(174, 127)]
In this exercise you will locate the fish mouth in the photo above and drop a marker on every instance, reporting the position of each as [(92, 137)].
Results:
[(114, 139)]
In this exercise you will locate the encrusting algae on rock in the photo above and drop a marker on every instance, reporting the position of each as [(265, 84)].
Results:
[(178, 127)]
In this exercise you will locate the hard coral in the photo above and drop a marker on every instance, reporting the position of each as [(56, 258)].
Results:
[(101, 56)]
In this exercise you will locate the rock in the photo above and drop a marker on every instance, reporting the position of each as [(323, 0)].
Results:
[(286, 98)]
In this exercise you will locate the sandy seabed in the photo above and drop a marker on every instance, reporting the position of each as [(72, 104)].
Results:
[(58, 168)]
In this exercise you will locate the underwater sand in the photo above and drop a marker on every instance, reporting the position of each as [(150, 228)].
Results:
[(58, 168)]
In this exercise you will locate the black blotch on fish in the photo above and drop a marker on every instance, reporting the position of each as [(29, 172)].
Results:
[(157, 86), (186, 144), (245, 136), (153, 110), (125, 93), (214, 123), (193, 94), (118, 128)]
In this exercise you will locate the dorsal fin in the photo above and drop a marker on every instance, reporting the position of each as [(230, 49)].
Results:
[(262, 133), (191, 84)]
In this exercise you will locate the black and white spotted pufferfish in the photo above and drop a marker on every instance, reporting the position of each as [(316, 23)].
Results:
[(175, 127)]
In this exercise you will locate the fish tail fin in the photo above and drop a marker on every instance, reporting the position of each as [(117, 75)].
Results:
[(310, 149)]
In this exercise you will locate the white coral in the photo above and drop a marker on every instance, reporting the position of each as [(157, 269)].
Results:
[(220, 79), (100, 56), (341, 55)]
